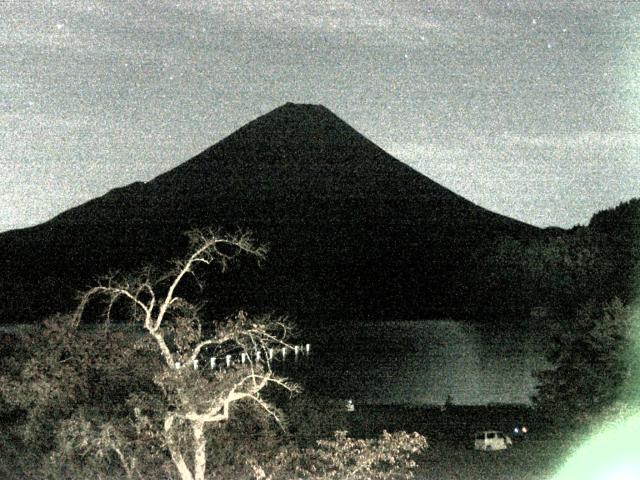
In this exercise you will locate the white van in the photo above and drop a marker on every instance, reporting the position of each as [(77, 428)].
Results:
[(492, 440)]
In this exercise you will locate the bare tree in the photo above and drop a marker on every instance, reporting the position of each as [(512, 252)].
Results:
[(194, 396)]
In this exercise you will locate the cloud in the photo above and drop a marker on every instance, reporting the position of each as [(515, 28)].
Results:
[(543, 179), (516, 149), (370, 22), (581, 140)]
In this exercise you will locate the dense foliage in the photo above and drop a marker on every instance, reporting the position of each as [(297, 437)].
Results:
[(72, 392), (550, 277), (591, 358), (388, 457)]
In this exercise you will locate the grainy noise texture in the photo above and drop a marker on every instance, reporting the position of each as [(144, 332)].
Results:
[(529, 109)]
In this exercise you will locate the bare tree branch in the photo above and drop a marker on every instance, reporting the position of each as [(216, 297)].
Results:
[(161, 305)]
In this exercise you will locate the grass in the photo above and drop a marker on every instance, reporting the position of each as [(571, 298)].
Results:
[(450, 434), (530, 460)]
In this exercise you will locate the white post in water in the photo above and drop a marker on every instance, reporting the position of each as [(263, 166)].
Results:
[(195, 364), (296, 351), (228, 360), (243, 357), (271, 354), (284, 352), (307, 348), (213, 363), (258, 352)]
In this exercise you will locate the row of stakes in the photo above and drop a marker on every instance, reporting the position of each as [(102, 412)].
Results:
[(244, 357)]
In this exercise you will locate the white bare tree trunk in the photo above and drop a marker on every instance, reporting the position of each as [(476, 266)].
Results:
[(200, 456), (176, 455), (181, 466)]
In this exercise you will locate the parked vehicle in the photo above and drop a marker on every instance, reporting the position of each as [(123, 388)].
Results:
[(492, 440)]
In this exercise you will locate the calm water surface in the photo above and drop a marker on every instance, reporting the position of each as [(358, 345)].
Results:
[(424, 362)]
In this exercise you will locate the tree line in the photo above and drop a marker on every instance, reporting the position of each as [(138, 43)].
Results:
[(553, 275), (585, 283)]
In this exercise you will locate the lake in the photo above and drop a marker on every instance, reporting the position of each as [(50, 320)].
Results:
[(418, 363)]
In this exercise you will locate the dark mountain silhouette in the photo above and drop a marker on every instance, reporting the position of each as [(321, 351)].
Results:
[(353, 233)]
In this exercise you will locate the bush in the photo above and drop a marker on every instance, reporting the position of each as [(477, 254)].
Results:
[(389, 457)]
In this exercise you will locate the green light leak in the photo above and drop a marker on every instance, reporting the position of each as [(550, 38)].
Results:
[(613, 452)]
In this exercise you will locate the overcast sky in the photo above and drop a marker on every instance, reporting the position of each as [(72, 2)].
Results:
[(527, 108)]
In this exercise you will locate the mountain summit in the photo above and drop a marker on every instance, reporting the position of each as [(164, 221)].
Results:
[(353, 233)]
